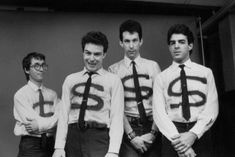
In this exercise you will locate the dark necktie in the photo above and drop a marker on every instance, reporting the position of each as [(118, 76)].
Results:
[(81, 122), (185, 101), (41, 113), (139, 101)]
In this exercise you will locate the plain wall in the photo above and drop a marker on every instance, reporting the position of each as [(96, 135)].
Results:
[(58, 36)]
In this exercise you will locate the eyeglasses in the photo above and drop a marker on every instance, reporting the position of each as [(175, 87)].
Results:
[(37, 66)]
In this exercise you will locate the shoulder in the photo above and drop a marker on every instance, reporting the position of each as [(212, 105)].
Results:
[(111, 77), (201, 68), (21, 91), (73, 76), (149, 62), (51, 91), (165, 71), (109, 74), (116, 66)]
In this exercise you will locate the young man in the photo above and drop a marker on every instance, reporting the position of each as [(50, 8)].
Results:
[(92, 106), (137, 76), (35, 110), (185, 103)]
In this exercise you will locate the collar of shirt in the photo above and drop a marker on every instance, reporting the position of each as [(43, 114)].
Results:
[(99, 72), (188, 64), (128, 63), (34, 86)]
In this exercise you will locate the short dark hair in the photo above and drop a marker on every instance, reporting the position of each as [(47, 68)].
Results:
[(130, 26), (26, 62), (180, 29), (97, 38)]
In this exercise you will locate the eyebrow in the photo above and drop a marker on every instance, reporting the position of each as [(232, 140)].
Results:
[(178, 40), (92, 52)]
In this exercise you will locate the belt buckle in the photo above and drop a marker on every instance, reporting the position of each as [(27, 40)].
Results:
[(83, 126)]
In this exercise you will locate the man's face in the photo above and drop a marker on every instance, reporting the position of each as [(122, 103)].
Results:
[(93, 56), (36, 74), (179, 48), (131, 44)]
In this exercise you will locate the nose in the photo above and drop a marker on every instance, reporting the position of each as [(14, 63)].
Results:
[(176, 45), (41, 68), (131, 44), (92, 57)]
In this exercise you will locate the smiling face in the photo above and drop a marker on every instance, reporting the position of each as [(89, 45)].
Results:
[(36, 76), (93, 56), (131, 44), (179, 48)]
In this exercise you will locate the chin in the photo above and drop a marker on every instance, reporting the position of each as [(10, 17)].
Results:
[(91, 69)]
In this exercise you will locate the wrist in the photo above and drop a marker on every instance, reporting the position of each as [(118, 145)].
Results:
[(113, 153), (131, 135), (194, 135), (154, 132)]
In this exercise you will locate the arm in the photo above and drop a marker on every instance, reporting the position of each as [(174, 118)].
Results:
[(150, 137), (208, 116), (205, 119), (116, 117), (136, 141), (164, 123), (62, 126)]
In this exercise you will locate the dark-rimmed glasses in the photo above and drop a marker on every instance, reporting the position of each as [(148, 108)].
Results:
[(37, 66)]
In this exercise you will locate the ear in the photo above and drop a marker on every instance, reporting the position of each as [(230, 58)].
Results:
[(104, 55), (121, 43), (26, 71), (190, 46), (141, 42)]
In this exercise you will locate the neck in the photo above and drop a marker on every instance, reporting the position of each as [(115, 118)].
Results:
[(37, 83)]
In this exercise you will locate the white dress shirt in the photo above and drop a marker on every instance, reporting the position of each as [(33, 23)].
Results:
[(25, 107), (106, 106), (167, 98), (147, 71)]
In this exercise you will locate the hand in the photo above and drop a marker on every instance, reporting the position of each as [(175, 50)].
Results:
[(109, 154), (183, 141), (59, 153), (189, 153), (139, 144), (178, 145), (148, 139), (31, 125)]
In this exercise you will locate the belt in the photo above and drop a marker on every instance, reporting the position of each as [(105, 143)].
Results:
[(137, 119), (35, 137), (185, 126), (89, 125)]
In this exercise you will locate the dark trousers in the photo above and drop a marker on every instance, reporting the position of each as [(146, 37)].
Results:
[(202, 147), (127, 150), (32, 147), (91, 142)]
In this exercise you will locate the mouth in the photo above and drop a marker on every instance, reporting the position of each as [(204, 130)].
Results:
[(92, 64), (40, 75), (177, 52), (131, 52)]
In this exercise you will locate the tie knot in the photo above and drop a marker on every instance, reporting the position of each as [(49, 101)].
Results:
[(90, 73), (182, 66), (133, 62)]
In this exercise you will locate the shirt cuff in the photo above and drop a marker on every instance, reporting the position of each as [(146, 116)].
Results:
[(114, 147), (59, 144), (197, 131), (40, 126)]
